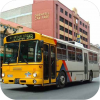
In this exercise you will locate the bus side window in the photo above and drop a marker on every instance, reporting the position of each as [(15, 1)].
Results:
[(90, 57), (61, 51), (71, 53), (79, 55), (95, 58)]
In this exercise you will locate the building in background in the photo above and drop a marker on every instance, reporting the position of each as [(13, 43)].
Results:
[(52, 18), (97, 49), (21, 15)]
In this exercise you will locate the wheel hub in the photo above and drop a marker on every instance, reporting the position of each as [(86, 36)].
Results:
[(62, 80)]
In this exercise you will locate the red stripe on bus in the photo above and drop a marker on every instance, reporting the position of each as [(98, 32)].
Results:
[(55, 41), (65, 65)]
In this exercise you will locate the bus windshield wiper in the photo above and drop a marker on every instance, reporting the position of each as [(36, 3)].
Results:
[(10, 60)]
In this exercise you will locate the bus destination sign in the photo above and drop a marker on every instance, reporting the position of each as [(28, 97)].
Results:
[(19, 37)]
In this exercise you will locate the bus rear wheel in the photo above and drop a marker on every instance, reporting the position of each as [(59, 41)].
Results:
[(61, 80)]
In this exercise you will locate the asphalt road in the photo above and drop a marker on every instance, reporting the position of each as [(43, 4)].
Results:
[(76, 90)]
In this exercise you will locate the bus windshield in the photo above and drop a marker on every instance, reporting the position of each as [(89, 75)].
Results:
[(11, 52), (29, 51)]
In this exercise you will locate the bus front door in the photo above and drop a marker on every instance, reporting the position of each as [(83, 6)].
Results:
[(49, 64), (86, 66)]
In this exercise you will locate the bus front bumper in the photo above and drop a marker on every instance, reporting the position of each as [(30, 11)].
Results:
[(22, 81)]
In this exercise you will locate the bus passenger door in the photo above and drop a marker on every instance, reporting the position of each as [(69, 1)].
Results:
[(53, 64), (49, 64), (86, 66), (46, 63)]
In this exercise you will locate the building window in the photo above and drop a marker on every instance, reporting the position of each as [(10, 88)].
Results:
[(70, 32), (74, 34), (61, 28), (86, 33), (70, 24), (76, 27), (66, 30), (83, 24), (84, 38), (66, 21), (70, 16), (80, 30), (61, 37), (83, 31), (66, 38), (84, 45), (80, 23), (87, 46), (61, 19), (66, 13), (70, 39), (61, 10), (81, 37)]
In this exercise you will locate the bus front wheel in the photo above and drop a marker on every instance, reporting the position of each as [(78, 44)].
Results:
[(61, 80)]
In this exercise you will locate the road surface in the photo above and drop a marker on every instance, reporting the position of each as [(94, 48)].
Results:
[(76, 90)]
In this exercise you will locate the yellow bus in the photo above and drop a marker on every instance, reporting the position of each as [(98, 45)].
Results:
[(35, 59)]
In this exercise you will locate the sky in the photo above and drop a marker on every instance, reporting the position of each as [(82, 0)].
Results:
[(89, 10)]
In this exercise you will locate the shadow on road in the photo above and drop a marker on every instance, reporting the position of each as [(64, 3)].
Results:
[(49, 88)]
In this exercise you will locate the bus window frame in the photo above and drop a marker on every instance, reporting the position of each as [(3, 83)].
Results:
[(76, 54), (71, 50), (62, 56), (93, 62)]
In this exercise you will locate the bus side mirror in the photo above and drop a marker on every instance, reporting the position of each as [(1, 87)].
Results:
[(41, 44)]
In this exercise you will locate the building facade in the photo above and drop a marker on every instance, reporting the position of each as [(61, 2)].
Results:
[(52, 18), (21, 15)]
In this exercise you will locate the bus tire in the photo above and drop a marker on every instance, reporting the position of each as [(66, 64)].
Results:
[(61, 80), (90, 77)]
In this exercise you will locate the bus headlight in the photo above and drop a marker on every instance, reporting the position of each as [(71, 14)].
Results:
[(3, 74), (35, 74)]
